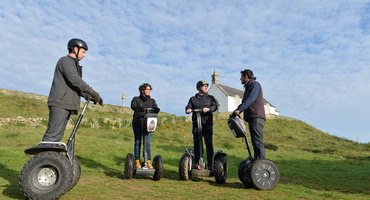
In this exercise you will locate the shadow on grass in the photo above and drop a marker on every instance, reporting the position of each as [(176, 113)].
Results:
[(87, 162), (348, 176), (12, 189)]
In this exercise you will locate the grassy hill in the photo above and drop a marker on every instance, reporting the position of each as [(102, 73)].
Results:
[(312, 164)]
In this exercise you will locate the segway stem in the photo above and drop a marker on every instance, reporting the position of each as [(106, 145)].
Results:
[(201, 165), (145, 141), (248, 147), (71, 140)]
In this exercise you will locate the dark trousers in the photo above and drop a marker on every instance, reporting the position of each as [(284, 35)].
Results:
[(256, 129), (138, 134), (58, 119), (207, 135)]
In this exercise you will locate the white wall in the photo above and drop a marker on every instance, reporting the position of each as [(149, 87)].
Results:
[(228, 103), (220, 96)]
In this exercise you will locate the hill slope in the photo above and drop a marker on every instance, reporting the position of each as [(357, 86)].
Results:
[(313, 164)]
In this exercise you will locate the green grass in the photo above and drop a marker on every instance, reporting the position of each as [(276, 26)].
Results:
[(312, 164)]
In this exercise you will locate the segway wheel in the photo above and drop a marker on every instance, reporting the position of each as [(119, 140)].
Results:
[(76, 172), (47, 175), (264, 174), (185, 167), (244, 172), (220, 169), (129, 166), (158, 166)]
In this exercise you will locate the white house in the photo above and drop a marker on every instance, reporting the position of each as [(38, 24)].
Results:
[(230, 98)]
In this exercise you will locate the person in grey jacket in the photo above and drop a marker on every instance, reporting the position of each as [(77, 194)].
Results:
[(66, 89)]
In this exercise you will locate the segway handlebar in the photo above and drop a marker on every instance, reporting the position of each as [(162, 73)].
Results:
[(196, 110), (149, 110)]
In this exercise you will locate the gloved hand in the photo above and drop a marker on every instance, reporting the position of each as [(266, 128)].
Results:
[(97, 98), (156, 110)]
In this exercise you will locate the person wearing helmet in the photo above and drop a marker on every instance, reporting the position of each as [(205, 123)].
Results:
[(208, 104), (66, 89), (139, 105), (254, 111)]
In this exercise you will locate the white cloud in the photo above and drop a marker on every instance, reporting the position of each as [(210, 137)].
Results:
[(310, 56)]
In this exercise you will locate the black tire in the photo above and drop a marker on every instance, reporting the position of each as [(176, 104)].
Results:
[(244, 172), (220, 169), (264, 174), (184, 167), (76, 172), (129, 166), (47, 175), (158, 166)]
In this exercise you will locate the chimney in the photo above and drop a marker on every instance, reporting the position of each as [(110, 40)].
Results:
[(214, 77)]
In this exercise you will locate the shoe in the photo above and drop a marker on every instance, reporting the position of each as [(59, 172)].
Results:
[(198, 166), (150, 164), (138, 165)]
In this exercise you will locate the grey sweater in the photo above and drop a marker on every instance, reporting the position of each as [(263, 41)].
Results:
[(67, 86)]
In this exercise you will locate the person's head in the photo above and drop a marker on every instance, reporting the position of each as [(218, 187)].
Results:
[(145, 89), (77, 48), (246, 75), (202, 86)]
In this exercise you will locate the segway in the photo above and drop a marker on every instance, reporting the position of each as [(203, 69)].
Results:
[(187, 167), (262, 174), (52, 169), (149, 124)]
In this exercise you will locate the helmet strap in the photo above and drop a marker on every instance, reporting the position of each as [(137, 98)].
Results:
[(77, 53)]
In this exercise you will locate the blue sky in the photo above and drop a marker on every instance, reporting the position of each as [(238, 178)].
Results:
[(311, 57)]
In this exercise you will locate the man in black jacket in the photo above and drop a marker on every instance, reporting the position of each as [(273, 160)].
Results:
[(66, 89), (254, 111), (208, 104)]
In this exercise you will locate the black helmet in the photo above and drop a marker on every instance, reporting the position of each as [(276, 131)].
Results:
[(201, 83), (143, 86), (76, 43)]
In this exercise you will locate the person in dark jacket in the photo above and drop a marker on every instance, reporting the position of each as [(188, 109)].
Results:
[(66, 89), (139, 105), (208, 104), (254, 111)]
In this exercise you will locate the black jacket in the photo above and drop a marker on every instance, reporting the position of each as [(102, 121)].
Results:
[(200, 102), (138, 105)]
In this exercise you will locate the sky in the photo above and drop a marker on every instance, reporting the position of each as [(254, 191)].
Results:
[(311, 57)]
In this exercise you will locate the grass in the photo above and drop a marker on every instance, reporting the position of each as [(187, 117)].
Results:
[(312, 164)]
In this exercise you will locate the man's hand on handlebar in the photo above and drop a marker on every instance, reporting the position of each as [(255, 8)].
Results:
[(206, 110), (235, 113)]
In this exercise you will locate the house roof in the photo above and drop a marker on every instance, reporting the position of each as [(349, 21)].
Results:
[(229, 91)]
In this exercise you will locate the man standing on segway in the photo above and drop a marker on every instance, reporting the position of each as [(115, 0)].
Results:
[(66, 89), (207, 104), (254, 111)]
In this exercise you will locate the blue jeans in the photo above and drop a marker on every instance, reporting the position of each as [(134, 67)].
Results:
[(256, 129), (207, 135), (138, 134)]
